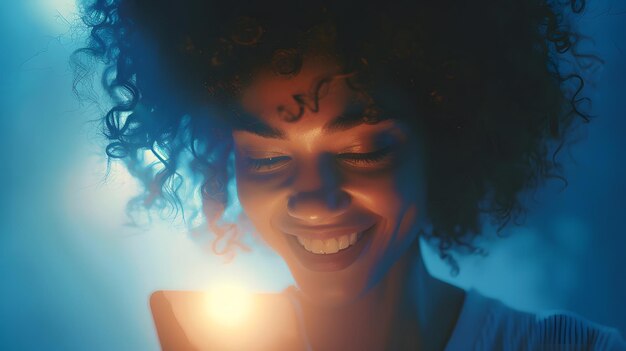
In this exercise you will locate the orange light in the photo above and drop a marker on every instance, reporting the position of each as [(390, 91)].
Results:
[(229, 304)]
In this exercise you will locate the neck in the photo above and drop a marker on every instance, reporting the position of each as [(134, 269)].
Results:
[(408, 309)]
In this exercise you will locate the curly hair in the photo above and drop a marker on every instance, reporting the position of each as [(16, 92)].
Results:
[(493, 103)]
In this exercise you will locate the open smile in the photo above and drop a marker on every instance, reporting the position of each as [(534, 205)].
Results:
[(329, 246), (331, 254)]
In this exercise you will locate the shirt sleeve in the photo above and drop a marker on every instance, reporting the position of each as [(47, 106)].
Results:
[(487, 324), (617, 342), (569, 332)]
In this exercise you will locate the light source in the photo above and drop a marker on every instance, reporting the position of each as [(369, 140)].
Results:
[(229, 304)]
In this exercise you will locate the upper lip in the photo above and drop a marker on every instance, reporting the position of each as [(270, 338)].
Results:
[(326, 231)]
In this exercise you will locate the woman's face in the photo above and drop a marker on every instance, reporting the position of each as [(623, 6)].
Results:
[(339, 200)]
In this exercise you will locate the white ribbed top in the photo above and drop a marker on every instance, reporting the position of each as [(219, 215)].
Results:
[(487, 324)]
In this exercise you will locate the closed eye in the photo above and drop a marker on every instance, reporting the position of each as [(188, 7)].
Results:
[(369, 158), (266, 164)]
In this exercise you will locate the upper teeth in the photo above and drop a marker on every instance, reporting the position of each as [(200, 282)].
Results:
[(329, 246)]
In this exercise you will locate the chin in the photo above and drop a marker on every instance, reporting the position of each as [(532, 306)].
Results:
[(330, 290), (342, 287)]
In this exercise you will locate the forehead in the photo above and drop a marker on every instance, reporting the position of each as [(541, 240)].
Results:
[(316, 94)]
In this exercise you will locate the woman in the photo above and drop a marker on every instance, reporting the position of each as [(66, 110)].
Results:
[(355, 128)]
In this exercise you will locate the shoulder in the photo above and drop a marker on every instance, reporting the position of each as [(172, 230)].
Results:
[(488, 324)]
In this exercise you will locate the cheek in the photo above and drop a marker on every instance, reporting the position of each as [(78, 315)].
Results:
[(397, 197), (260, 199), (252, 197), (389, 194)]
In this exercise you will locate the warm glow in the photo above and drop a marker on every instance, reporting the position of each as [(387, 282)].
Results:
[(229, 304)]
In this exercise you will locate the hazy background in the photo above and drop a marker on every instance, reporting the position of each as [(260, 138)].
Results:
[(73, 276)]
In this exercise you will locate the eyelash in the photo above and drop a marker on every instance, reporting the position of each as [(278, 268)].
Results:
[(356, 159), (267, 164), (368, 158)]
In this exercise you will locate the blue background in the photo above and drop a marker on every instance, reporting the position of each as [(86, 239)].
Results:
[(75, 276)]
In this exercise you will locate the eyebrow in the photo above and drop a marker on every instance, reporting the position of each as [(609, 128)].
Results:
[(254, 125), (345, 121)]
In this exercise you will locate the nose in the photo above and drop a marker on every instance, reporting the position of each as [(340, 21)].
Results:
[(318, 206), (317, 194)]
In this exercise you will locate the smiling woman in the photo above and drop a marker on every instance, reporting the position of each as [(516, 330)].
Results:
[(356, 127), (339, 202)]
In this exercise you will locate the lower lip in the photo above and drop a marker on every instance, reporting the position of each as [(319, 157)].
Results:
[(330, 262)]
